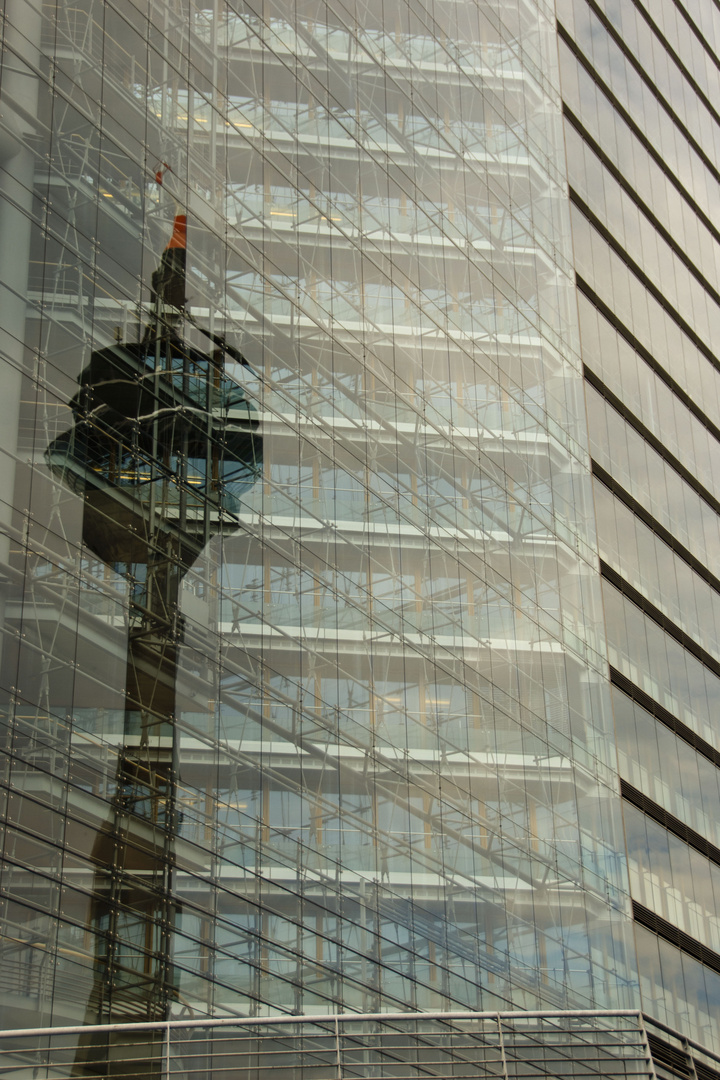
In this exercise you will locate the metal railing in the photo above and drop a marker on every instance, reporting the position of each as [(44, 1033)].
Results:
[(355, 1046)]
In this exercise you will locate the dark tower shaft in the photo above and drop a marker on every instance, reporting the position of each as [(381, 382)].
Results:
[(162, 445)]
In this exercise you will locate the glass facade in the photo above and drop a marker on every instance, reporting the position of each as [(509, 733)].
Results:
[(304, 693), (358, 420)]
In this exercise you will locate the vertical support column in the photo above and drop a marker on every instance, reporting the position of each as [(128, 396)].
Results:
[(20, 62), (652, 1075), (501, 1046), (338, 1056), (166, 1069)]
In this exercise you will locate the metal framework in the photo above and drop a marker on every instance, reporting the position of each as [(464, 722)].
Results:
[(363, 786), (340, 1046)]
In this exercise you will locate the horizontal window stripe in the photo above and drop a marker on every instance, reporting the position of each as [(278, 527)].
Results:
[(607, 312), (668, 821), (647, 518), (659, 617), (664, 716), (675, 936)]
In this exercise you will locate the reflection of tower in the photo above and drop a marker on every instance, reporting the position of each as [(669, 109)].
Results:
[(162, 446)]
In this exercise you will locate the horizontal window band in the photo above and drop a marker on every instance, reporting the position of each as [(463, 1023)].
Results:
[(682, 11), (623, 182), (675, 936), (639, 134), (664, 716), (657, 294), (608, 481), (659, 618), (654, 89), (668, 821), (637, 131), (658, 446), (677, 59), (627, 335)]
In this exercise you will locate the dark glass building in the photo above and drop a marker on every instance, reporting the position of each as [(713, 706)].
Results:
[(320, 690)]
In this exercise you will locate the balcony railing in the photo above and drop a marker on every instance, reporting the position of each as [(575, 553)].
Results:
[(405, 1046)]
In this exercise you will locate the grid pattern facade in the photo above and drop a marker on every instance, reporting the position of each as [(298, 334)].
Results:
[(640, 85), (303, 668)]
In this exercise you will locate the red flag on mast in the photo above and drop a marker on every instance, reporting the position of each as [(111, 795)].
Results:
[(168, 281)]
